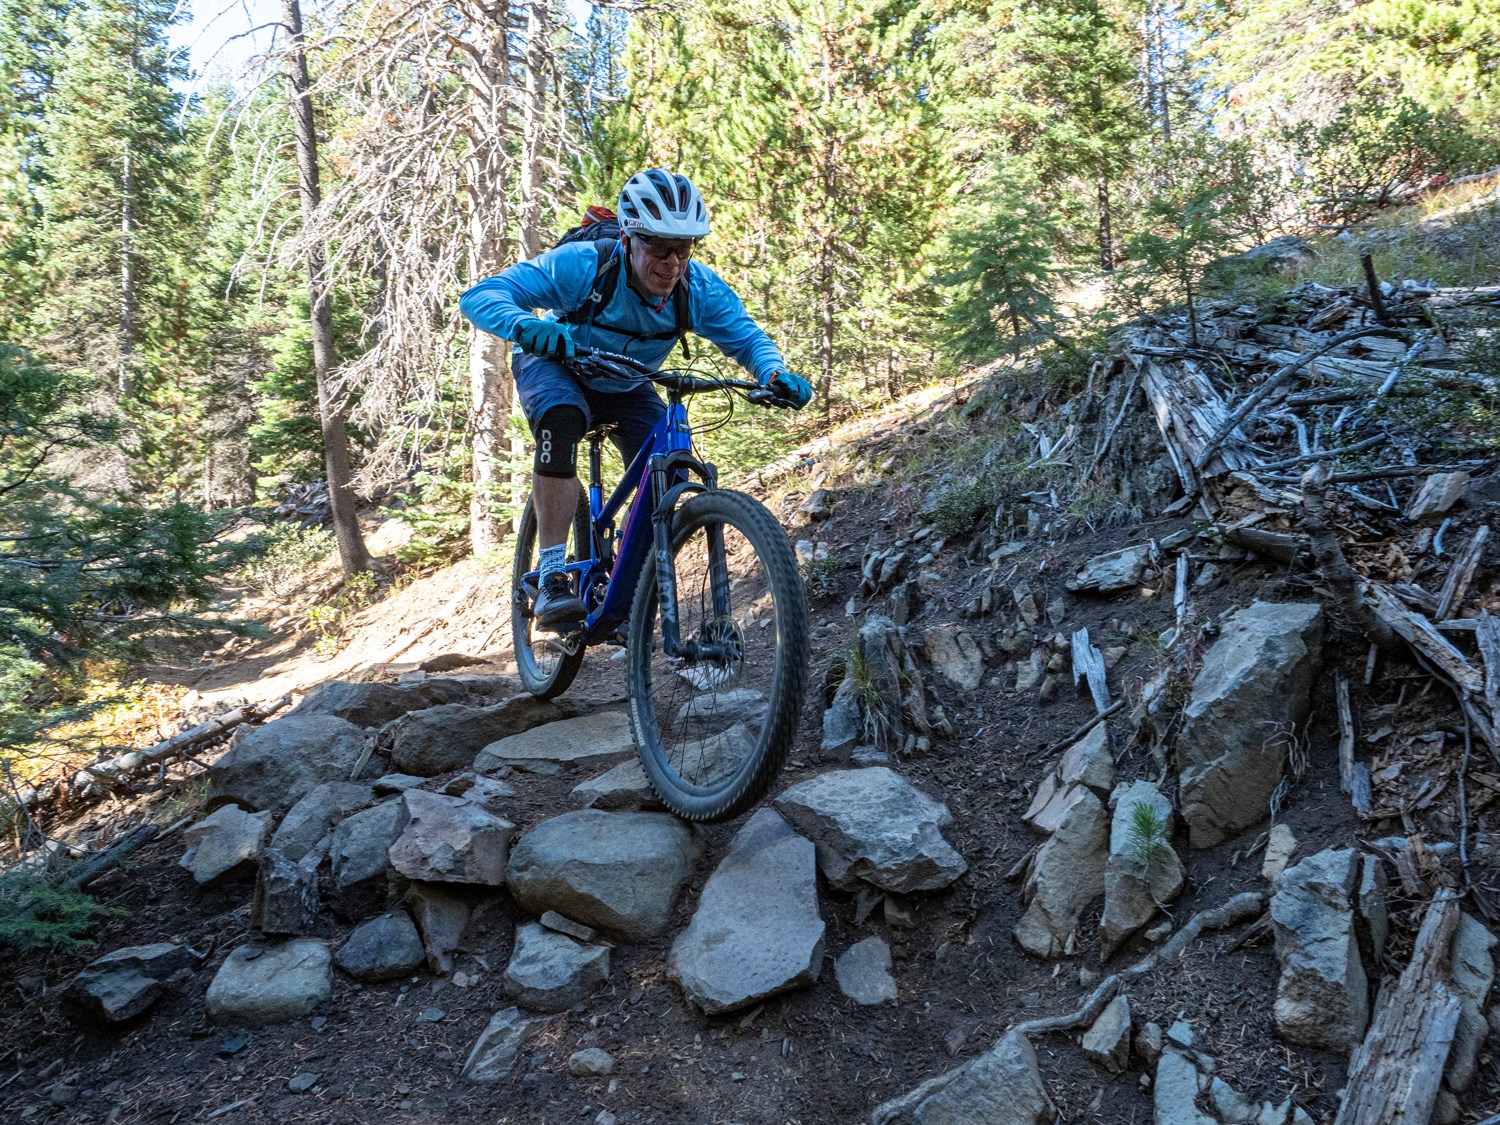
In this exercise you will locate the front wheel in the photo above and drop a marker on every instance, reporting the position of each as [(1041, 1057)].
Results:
[(714, 727), (545, 665)]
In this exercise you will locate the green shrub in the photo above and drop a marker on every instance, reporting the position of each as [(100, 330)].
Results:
[(37, 912), (286, 553)]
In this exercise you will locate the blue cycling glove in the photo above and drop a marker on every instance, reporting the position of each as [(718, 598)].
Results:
[(543, 337), (793, 388)]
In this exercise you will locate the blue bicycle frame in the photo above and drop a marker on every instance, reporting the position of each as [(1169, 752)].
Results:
[(656, 478)]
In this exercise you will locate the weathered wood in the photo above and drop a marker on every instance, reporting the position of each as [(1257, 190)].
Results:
[(1346, 733), (1396, 1072), (115, 770), (1088, 662), (1282, 546), (1487, 636), (1262, 392), (1180, 593), (1330, 555), (1460, 574), (94, 866), (1419, 633), (1372, 287)]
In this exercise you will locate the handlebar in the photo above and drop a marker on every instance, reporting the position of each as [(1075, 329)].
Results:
[(682, 382)]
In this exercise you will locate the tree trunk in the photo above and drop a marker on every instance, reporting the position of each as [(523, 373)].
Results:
[(491, 390), (533, 124), (825, 245), (353, 554), (127, 276), (1106, 241)]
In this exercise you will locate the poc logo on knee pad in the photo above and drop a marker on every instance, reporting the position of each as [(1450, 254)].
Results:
[(545, 446)]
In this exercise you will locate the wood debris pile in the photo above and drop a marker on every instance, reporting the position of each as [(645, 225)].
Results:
[(1354, 437)]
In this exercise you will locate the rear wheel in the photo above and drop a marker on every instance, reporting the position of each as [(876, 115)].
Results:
[(543, 660), (714, 728)]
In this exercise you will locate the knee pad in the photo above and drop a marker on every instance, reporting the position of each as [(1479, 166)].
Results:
[(557, 434)]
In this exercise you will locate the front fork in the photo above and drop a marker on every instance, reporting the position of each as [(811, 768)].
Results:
[(694, 649)]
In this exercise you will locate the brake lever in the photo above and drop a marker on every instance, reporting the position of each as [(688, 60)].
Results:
[(765, 396)]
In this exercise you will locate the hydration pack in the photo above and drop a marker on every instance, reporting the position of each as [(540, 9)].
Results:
[(601, 225)]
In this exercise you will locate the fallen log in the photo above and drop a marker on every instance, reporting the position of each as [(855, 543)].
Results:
[(1460, 574), (1396, 1072), (115, 770)]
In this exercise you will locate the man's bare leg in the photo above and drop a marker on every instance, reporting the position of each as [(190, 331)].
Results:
[(555, 500)]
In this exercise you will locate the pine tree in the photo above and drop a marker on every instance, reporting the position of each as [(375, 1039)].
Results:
[(115, 199)]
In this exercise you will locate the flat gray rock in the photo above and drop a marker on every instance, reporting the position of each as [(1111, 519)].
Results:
[(864, 972), (955, 653), (586, 742), (757, 931), (446, 738), (1000, 1087), (1112, 572), (593, 1062), (225, 844), (358, 854), (374, 705), (1067, 876), (441, 917), (1142, 874), (258, 985), (617, 872), (451, 840), (1322, 996), (873, 826), (383, 948), (311, 818), (1256, 680), (550, 972), (623, 788), (275, 766), (123, 984), (1107, 1042), (495, 1052)]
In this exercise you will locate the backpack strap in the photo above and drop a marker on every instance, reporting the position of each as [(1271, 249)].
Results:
[(607, 280)]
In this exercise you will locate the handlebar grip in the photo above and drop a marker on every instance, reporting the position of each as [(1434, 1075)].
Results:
[(765, 396)]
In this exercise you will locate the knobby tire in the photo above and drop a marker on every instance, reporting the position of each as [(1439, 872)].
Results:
[(546, 673), (764, 580)]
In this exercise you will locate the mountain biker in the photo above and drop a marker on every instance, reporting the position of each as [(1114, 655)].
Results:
[(662, 218)]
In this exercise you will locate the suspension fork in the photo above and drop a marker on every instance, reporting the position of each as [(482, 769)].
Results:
[(665, 495)]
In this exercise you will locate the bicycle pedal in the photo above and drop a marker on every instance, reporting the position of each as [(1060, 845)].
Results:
[(566, 642)]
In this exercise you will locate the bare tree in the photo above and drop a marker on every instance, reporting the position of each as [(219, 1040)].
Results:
[(353, 554), (438, 177)]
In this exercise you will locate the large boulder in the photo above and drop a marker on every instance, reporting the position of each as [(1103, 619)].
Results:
[(550, 972), (617, 872), (311, 818), (358, 855), (1067, 876), (1001, 1087), (872, 826), (259, 985), (757, 930), (451, 840), (225, 844), (587, 742), (1143, 872), (1322, 996), (1255, 682), (374, 705), (274, 766), (441, 739)]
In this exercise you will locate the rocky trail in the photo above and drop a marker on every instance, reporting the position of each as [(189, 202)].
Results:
[(1158, 786)]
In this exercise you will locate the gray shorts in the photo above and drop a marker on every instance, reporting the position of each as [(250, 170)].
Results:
[(543, 383)]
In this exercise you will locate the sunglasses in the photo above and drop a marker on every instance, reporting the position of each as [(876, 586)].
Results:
[(663, 248)]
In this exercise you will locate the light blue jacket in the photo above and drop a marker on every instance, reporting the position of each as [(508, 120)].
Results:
[(561, 279)]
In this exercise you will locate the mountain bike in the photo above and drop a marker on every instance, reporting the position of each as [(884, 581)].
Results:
[(702, 586)]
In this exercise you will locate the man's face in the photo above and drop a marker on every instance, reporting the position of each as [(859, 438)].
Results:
[(657, 264)]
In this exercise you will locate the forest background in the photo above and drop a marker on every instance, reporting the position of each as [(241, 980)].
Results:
[(208, 298)]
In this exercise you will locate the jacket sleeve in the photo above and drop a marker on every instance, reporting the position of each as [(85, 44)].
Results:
[(558, 280), (720, 317)]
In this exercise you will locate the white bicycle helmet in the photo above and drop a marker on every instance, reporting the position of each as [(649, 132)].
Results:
[(658, 202)]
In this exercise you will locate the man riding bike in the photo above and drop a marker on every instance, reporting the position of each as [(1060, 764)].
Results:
[(662, 218)]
